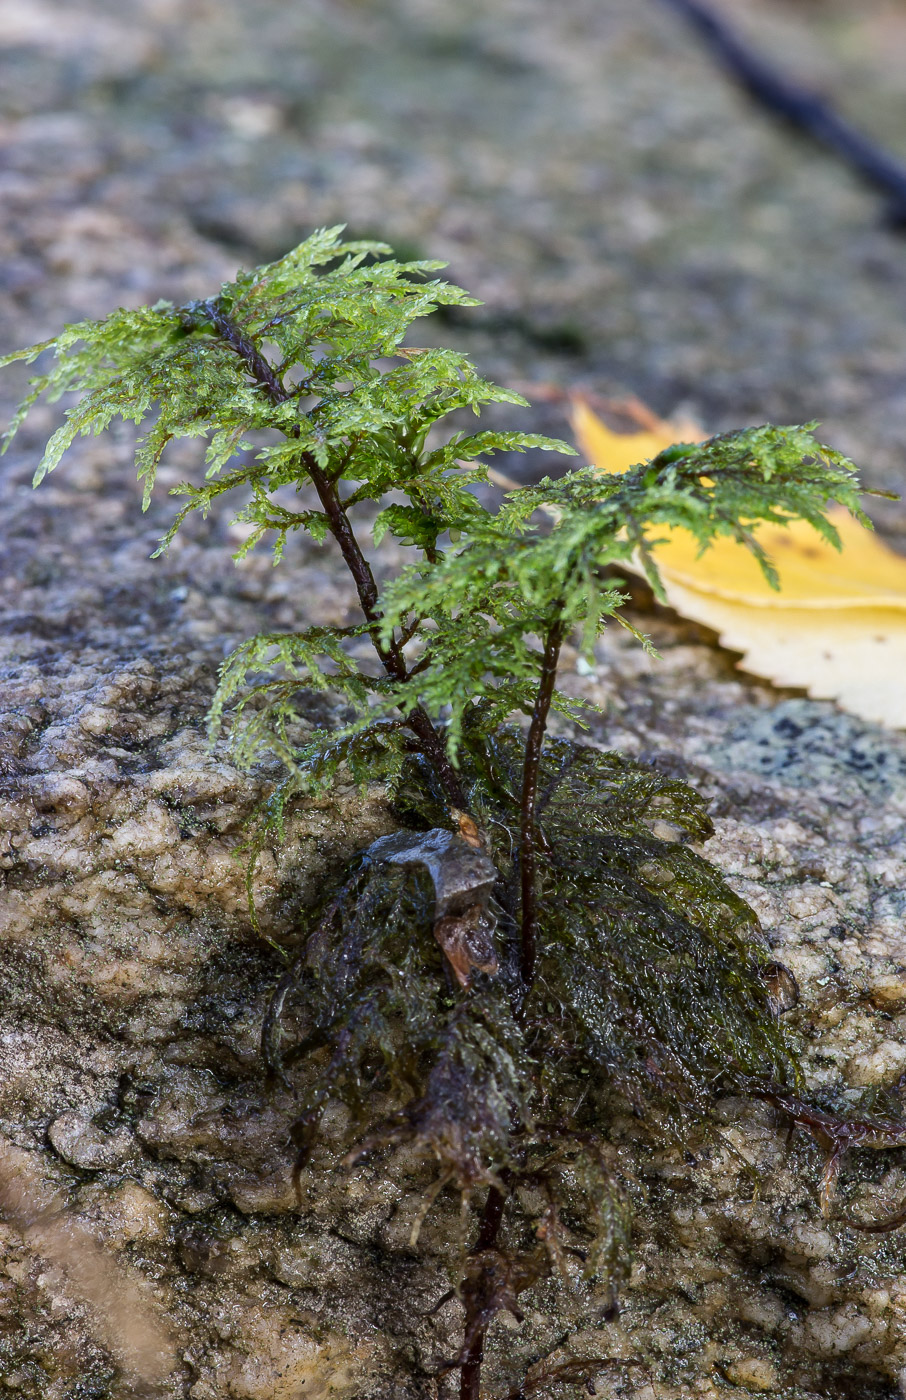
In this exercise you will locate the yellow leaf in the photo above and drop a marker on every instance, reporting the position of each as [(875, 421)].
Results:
[(812, 573), (856, 656), (617, 452), (837, 629), (864, 574)]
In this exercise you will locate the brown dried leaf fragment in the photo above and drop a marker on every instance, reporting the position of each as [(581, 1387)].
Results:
[(467, 943), (781, 986), (463, 876), (469, 830)]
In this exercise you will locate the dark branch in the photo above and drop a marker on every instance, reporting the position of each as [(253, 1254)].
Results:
[(488, 1230), (528, 846), (391, 655), (258, 366), (803, 108)]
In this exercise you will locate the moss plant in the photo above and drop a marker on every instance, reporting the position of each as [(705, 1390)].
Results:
[(532, 950)]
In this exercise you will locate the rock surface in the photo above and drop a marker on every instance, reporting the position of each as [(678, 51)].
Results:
[(635, 226)]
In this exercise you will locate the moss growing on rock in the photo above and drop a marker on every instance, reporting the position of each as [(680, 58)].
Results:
[(594, 959)]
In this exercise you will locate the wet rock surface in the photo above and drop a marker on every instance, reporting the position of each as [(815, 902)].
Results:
[(633, 226)]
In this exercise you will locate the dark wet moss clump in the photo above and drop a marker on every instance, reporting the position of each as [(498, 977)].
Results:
[(653, 989)]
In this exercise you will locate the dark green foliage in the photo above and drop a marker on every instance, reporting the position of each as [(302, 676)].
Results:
[(623, 968), (649, 964)]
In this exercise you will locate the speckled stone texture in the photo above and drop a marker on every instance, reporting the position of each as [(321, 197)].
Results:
[(634, 226)]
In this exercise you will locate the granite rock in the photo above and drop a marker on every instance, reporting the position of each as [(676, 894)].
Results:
[(634, 226)]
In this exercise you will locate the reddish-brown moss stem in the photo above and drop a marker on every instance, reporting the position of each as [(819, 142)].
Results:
[(390, 654), (488, 1230), (528, 844)]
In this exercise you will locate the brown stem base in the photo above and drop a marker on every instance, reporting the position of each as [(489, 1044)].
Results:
[(528, 844), (488, 1230)]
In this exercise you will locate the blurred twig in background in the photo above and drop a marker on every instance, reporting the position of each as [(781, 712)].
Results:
[(126, 1318), (807, 110)]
